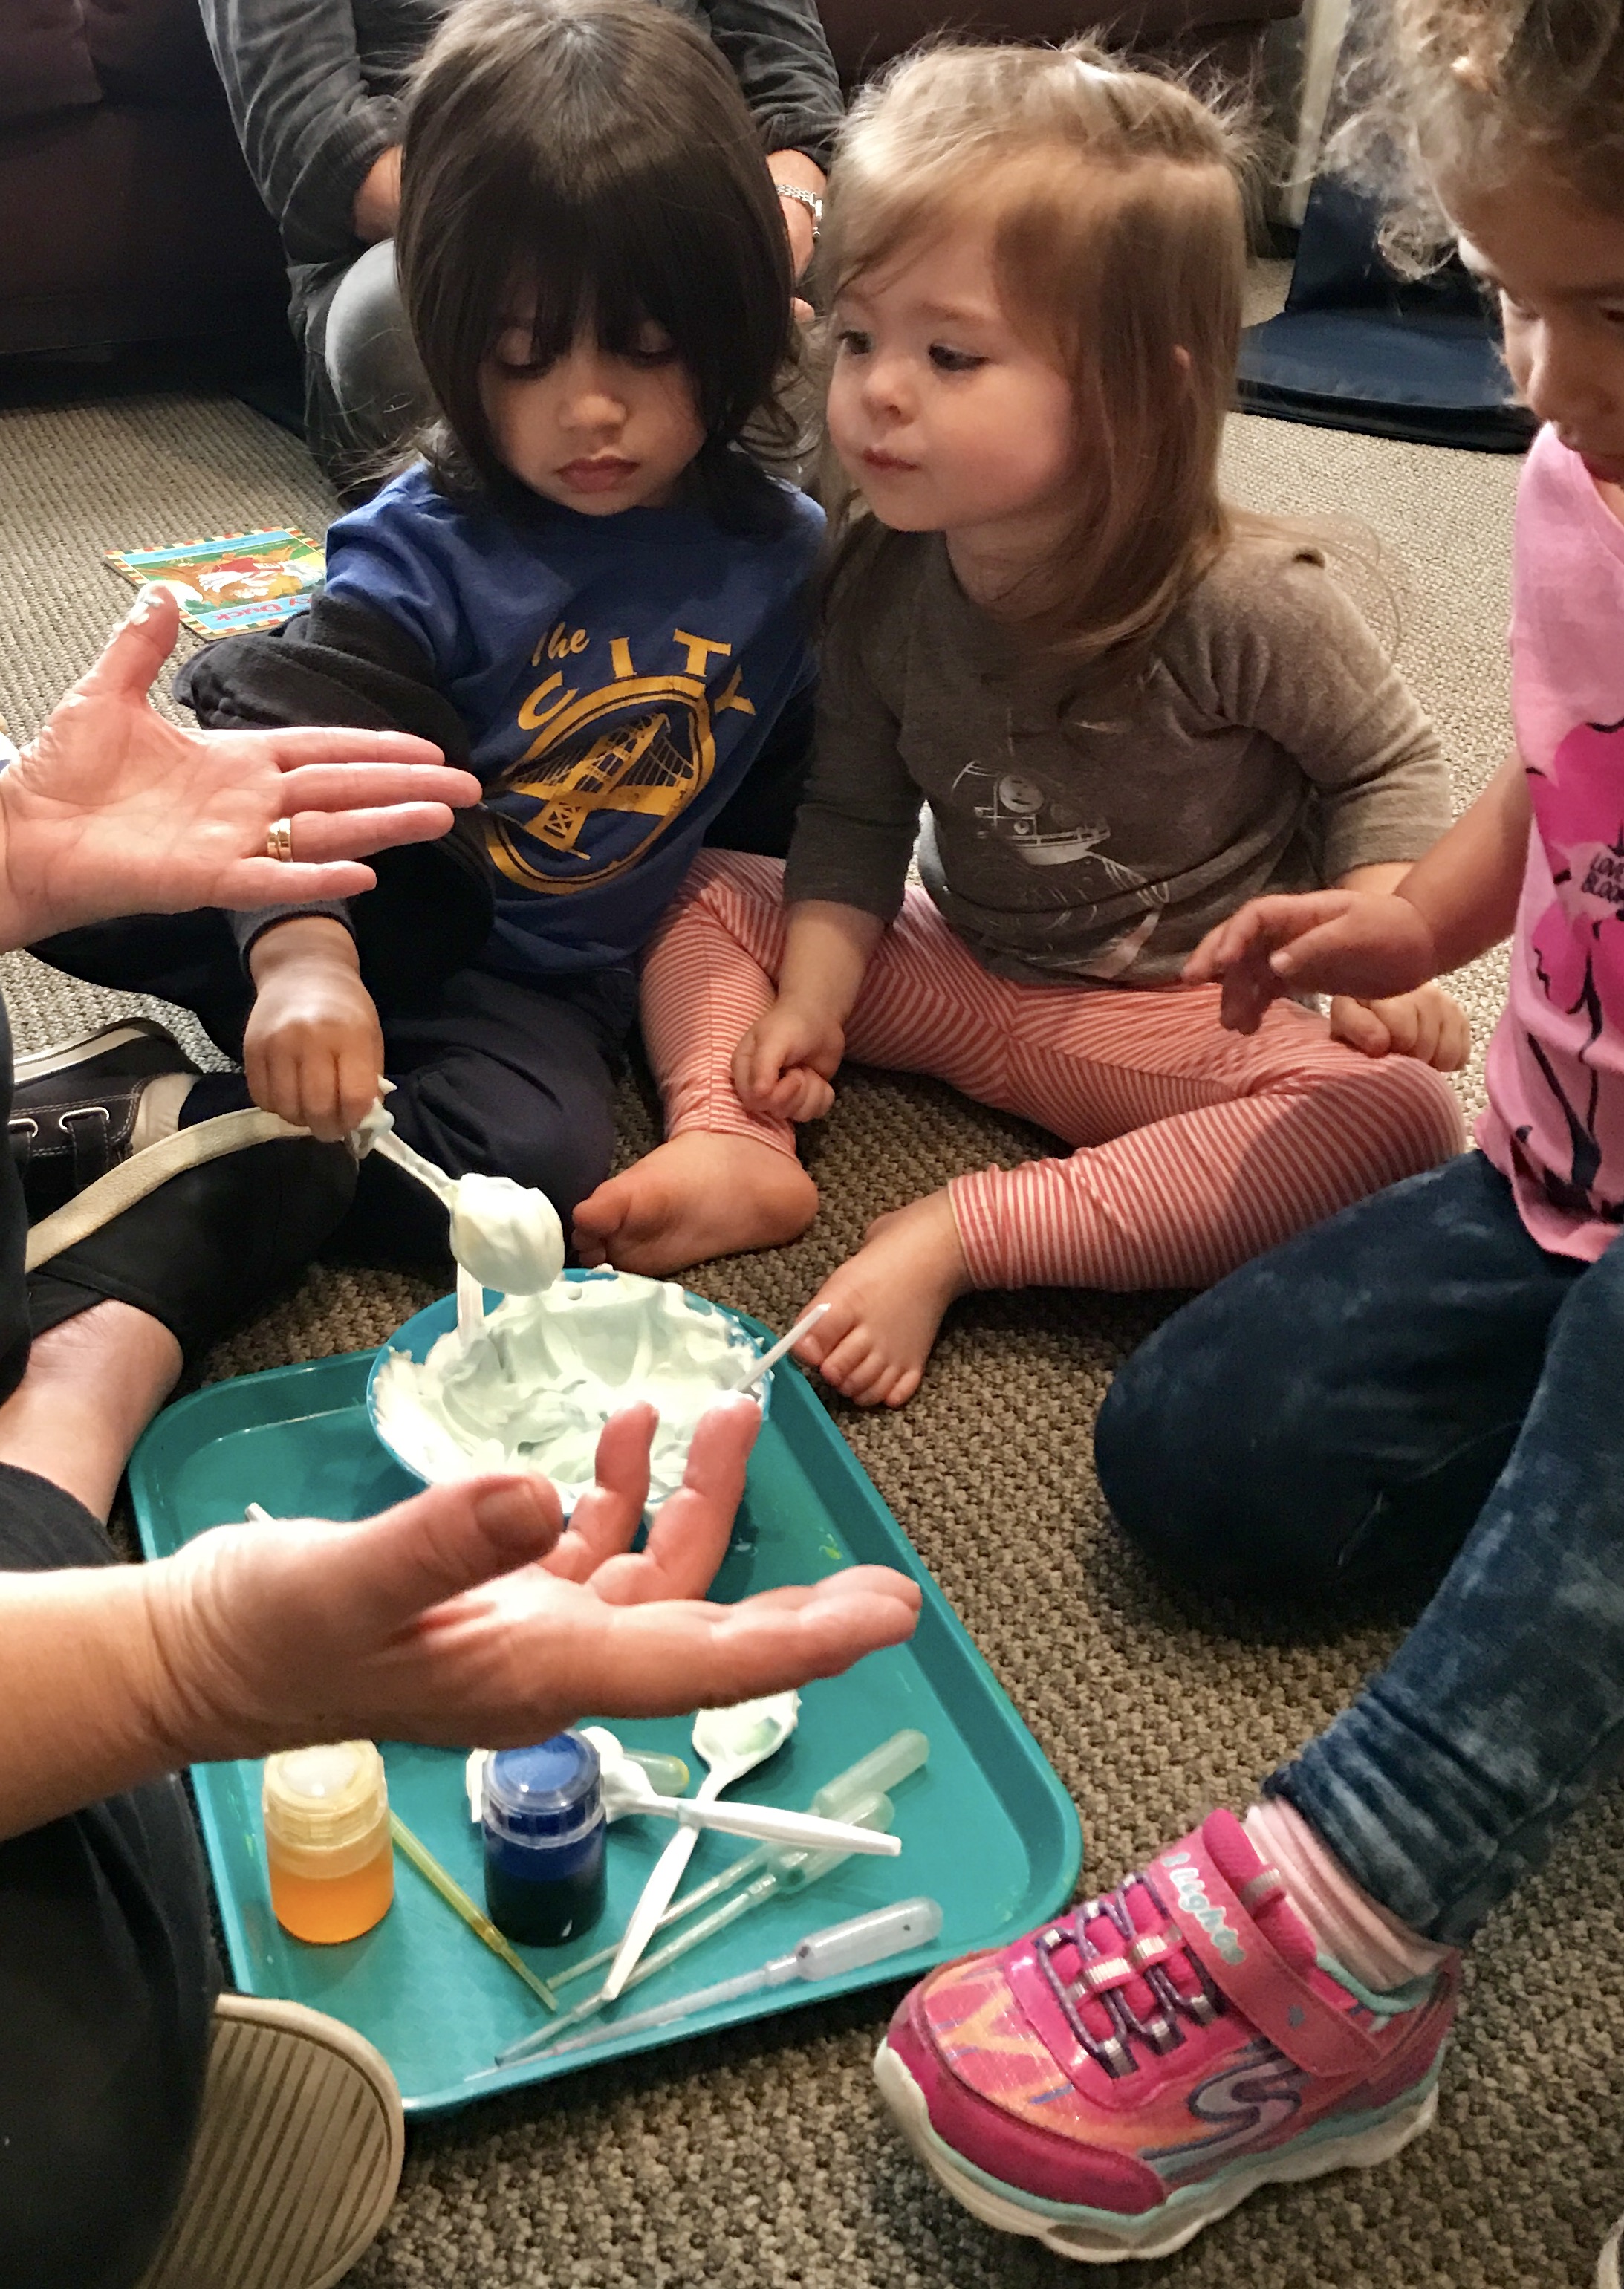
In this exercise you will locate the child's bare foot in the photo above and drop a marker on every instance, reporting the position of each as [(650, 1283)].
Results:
[(886, 1304), (696, 1196)]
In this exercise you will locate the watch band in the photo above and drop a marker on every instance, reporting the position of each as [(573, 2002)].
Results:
[(813, 205)]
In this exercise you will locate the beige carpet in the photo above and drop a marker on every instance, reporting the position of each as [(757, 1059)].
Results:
[(763, 2158)]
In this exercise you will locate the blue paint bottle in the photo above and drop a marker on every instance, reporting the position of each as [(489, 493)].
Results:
[(544, 1826)]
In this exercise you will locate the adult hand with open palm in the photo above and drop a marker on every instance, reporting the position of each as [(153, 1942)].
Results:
[(114, 811), (471, 1613)]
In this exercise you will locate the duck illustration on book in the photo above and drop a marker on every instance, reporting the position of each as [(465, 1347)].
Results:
[(233, 583)]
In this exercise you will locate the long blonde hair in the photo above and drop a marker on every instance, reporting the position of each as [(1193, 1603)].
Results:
[(1119, 241), (1463, 91)]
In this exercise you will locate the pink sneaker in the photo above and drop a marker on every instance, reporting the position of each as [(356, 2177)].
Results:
[(1117, 2079)]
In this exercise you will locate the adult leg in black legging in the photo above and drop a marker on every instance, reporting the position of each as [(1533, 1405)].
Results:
[(108, 1975)]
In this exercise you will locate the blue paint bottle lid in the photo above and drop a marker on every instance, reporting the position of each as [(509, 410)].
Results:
[(546, 1793)]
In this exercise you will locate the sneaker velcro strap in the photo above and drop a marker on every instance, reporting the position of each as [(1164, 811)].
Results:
[(1242, 1965)]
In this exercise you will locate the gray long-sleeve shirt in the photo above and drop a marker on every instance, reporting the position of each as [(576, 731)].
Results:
[(315, 91), (1270, 747)]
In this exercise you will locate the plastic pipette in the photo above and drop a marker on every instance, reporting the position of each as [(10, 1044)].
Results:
[(452, 1893), (753, 1878), (842, 1798), (769, 1360), (771, 1881), (821, 1955)]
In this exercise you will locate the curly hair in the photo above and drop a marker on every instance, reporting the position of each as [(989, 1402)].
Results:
[(1465, 92)]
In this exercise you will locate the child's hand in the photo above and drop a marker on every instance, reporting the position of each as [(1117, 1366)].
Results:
[(1428, 1025), (785, 1065), (1366, 943), (313, 1050)]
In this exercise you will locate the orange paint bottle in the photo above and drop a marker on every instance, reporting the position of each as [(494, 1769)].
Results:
[(327, 1847)]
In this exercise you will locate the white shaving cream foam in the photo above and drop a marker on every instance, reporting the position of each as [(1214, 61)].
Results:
[(538, 1383)]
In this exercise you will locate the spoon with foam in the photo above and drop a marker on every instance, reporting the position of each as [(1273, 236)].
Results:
[(504, 1235), (733, 1742)]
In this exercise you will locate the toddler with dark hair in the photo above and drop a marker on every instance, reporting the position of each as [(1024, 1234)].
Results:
[(585, 590)]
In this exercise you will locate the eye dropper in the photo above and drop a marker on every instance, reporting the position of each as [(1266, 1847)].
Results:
[(822, 1955), (753, 1878), (844, 1797)]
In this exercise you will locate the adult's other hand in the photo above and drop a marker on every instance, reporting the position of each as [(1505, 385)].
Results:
[(114, 811)]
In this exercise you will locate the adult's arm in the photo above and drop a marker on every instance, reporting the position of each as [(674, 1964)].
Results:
[(114, 810), (310, 125), (781, 60), (466, 1615)]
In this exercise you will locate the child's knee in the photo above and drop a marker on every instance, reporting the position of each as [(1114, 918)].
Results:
[(1409, 1114), (717, 875), (1211, 1447), (1155, 1458)]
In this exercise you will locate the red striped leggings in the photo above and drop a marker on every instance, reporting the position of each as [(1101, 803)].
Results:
[(1197, 1148)]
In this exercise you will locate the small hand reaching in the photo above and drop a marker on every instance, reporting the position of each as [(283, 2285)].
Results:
[(312, 1049), (1428, 1025), (784, 1066), (1369, 945)]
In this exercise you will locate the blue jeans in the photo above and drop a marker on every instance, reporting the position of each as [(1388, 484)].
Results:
[(1414, 1385)]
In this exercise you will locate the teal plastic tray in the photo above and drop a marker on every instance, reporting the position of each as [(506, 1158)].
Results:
[(986, 1828)]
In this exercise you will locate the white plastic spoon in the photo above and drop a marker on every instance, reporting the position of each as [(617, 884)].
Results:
[(732, 1741), (504, 1235), (628, 1788)]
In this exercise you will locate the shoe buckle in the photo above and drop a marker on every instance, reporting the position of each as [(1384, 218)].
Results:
[(92, 1152)]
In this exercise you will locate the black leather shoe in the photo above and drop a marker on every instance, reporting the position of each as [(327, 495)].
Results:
[(210, 1249), (74, 1104)]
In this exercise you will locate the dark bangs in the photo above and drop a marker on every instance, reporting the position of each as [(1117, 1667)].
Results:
[(594, 157)]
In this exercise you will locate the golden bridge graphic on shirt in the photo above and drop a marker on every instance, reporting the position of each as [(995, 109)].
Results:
[(608, 772)]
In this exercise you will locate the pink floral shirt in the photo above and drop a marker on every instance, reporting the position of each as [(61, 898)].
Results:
[(1555, 1124)]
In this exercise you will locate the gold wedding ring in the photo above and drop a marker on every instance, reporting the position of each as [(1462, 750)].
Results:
[(279, 842)]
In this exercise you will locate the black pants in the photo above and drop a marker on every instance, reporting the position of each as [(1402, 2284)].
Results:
[(108, 1975), (490, 1076)]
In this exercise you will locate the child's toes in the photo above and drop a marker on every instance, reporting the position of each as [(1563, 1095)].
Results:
[(902, 1386), (848, 1366), (818, 1345), (876, 1384), (870, 1378)]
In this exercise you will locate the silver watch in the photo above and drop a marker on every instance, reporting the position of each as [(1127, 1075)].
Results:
[(813, 205)]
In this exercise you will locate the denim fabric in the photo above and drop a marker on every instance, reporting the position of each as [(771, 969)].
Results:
[(1415, 1381)]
